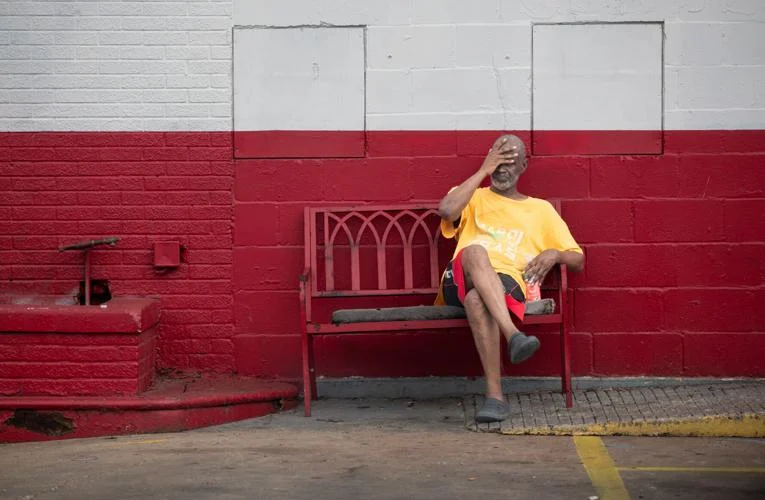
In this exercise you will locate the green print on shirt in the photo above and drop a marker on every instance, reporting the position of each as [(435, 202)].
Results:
[(499, 240)]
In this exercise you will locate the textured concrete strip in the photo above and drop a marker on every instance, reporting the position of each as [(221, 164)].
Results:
[(721, 408), (748, 426)]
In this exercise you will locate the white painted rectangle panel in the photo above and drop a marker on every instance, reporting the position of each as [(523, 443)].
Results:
[(597, 76), (299, 79)]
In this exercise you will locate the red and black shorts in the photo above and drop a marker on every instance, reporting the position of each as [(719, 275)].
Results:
[(453, 288)]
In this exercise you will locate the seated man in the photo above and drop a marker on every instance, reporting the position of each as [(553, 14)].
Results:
[(503, 237)]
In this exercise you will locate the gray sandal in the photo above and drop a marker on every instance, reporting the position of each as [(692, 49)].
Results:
[(522, 347), (493, 410)]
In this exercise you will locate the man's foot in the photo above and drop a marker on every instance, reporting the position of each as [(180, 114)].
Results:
[(493, 410), (522, 347)]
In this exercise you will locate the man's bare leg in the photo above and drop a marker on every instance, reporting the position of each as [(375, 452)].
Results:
[(486, 337), (480, 276), (483, 278)]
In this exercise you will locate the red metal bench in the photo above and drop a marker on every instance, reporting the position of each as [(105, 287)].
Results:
[(370, 256)]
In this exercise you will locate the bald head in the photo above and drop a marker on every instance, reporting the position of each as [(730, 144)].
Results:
[(505, 177), (512, 141)]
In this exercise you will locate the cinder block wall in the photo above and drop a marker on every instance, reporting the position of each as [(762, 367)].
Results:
[(671, 223)]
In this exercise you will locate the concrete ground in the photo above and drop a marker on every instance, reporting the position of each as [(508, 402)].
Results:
[(381, 448)]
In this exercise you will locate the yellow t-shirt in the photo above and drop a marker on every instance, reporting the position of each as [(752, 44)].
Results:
[(512, 231)]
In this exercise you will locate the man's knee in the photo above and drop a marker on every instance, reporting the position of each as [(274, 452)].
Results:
[(474, 303), (473, 255)]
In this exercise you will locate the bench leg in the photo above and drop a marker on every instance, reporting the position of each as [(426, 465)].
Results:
[(312, 370), (565, 365), (307, 369)]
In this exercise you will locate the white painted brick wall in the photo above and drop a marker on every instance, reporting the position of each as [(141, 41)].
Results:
[(315, 12), (466, 76), (431, 64), (493, 45), (99, 65), (471, 90), (739, 87), (418, 12), (427, 60), (715, 72)]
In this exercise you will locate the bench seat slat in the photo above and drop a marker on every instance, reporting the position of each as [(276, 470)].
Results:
[(431, 324), (413, 313), (422, 313)]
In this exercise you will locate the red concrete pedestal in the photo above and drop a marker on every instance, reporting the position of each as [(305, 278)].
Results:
[(170, 405), (71, 350), (84, 371)]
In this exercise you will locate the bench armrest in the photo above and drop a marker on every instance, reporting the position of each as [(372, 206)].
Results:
[(562, 302), (563, 277)]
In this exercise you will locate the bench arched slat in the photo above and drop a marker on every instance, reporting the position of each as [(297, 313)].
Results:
[(420, 222), (382, 282), (407, 244), (382, 275), (329, 239)]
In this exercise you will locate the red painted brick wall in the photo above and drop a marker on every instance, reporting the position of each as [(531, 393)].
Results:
[(675, 249), (58, 188), (675, 245)]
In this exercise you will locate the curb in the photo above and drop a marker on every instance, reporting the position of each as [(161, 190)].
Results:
[(744, 426)]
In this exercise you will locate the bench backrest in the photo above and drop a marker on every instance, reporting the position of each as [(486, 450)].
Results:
[(376, 250)]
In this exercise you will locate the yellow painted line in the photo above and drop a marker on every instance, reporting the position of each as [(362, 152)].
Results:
[(741, 470), (600, 468), (144, 441), (750, 426)]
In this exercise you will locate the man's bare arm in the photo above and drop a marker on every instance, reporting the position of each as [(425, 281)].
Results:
[(451, 206), (573, 260), (540, 265), (456, 200)]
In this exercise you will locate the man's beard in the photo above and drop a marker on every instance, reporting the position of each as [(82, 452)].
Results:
[(503, 184)]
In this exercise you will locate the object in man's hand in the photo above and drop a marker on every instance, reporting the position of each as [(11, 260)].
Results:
[(533, 292)]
